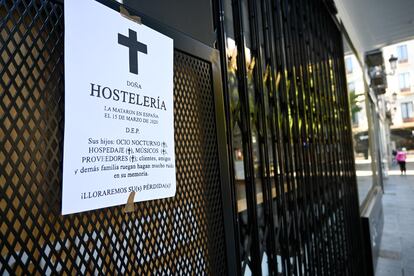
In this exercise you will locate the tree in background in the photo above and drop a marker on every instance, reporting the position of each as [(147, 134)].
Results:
[(354, 105)]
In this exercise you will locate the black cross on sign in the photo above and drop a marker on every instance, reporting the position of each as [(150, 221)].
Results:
[(134, 47)]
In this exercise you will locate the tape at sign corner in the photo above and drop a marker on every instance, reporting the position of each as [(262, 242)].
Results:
[(124, 12), (130, 205)]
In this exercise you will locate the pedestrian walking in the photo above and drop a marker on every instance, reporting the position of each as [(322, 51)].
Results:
[(401, 157), (394, 154)]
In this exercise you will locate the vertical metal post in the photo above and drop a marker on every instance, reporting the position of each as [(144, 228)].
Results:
[(262, 129), (246, 138), (232, 234)]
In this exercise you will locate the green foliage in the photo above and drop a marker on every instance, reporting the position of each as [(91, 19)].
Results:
[(353, 103)]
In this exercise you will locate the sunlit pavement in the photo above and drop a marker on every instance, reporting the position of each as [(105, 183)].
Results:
[(392, 172), (364, 176), (397, 244)]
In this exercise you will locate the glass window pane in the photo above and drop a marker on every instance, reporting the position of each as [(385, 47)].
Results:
[(404, 81), (348, 65), (360, 130), (402, 53), (351, 87), (407, 110)]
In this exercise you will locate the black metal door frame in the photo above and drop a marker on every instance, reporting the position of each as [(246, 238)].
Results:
[(200, 50)]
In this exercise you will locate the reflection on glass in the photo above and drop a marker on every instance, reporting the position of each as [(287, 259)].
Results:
[(235, 130), (235, 113), (360, 130), (257, 145), (257, 150)]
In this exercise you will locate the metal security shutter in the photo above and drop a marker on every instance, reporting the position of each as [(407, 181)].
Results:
[(180, 235)]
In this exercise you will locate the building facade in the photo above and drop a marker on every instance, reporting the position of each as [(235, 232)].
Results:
[(397, 103), (400, 93)]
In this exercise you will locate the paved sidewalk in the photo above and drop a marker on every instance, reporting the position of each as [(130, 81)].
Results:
[(397, 245), (364, 177)]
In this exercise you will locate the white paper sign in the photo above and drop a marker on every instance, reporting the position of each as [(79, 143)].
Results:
[(119, 128)]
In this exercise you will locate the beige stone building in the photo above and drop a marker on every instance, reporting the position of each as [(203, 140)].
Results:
[(400, 93)]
